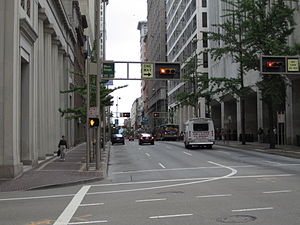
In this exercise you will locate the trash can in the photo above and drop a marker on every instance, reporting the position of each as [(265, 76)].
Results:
[(298, 140)]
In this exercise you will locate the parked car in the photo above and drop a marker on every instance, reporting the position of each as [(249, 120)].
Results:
[(117, 138), (146, 138)]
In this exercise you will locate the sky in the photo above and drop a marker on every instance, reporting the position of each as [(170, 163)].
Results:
[(123, 44)]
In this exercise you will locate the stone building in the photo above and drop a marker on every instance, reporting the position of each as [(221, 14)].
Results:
[(41, 42)]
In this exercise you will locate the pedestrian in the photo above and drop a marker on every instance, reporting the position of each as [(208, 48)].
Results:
[(62, 146), (261, 134)]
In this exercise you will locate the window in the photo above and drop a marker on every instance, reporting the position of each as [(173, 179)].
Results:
[(204, 19), (205, 40), (23, 4), (204, 3), (205, 60), (28, 7), (200, 126)]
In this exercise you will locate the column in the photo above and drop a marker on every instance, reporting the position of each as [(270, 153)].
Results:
[(289, 122), (41, 122), (49, 148), (61, 86), (55, 91)]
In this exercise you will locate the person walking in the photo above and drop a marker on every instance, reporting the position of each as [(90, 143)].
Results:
[(62, 146)]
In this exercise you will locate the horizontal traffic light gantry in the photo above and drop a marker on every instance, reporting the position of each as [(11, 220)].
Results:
[(167, 70), (125, 114)]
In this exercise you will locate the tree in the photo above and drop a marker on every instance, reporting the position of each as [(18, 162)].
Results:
[(201, 86), (251, 28)]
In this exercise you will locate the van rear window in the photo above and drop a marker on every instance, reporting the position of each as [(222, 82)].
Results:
[(200, 126)]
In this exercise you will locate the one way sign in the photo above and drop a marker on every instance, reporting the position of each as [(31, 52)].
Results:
[(147, 70)]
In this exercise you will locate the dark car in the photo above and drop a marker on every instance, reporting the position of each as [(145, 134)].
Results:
[(117, 138), (146, 138)]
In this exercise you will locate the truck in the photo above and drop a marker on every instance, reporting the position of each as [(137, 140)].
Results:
[(199, 132)]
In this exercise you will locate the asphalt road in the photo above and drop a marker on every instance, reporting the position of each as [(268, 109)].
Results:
[(165, 184)]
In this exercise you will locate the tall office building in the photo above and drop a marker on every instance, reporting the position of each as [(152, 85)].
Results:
[(187, 24)]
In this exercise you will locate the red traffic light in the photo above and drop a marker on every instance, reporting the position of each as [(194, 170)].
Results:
[(155, 114), (167, 71), (274, 64)]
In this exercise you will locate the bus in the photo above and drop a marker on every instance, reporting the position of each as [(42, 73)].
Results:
[(167, 132)]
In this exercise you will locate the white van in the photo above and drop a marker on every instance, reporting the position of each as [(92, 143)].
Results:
[(199, 132)]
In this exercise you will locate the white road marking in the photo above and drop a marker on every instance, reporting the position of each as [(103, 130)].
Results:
[(188, 153), (182, 169), (162, 165), (195, 179), (253, 209), (213, 196), (276, 163), (69, 211), (147, 154), (170, 216), (274, 192), (151, 200), (92, 204), (88, 222)]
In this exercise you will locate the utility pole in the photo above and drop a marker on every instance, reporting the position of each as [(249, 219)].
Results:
[(98, 100)]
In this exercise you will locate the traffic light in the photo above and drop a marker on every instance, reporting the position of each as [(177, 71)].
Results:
[(94, 122), (167, 70), (125, 114), (155, 114), (273, 64)]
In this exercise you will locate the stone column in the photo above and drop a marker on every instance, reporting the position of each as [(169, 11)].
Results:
[(55, 90), (48, 88), (260, 120), (62, 87), (41, 88)]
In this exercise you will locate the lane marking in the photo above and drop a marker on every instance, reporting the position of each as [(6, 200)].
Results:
[(213, 196), (162, 165), (253, 209), (92, 204), (188, 153), (69, 211), (205, 179), (170, 216), (150, 200), (89, 222), (176, 169), (276, 163), (147, 154), (274, 192), (232, 173)]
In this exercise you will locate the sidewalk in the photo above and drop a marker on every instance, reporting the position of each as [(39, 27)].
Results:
[(285, 150), (54, 172)]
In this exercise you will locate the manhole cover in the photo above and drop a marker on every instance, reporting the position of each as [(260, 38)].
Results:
[(236, 219)]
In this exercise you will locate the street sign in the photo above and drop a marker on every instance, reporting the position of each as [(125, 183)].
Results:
[(108, 70), (147, 70), (293, 65)]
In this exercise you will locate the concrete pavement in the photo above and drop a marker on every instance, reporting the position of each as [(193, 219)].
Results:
[(55, 172)]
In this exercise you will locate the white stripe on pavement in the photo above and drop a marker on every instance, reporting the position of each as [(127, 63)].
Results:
[(69, 211), (213, 196), (91, 204), (151, 200), (162, 165), (170, 216), (274, 192), (147, 154), (188, 153), (253, 209), (88, 222)]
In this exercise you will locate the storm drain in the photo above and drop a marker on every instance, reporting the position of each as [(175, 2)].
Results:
[(236, 219)]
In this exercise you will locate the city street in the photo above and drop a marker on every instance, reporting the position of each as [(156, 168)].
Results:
[(168, 184)]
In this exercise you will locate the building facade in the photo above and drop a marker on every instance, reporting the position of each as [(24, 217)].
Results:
[(37, 53), (226, 111), (187, 23)]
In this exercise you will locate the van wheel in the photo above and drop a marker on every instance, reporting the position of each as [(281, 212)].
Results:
[(209, 146), (187, 146)]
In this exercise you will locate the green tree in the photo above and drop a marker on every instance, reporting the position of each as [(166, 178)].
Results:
[(201, 86), (252, 28)]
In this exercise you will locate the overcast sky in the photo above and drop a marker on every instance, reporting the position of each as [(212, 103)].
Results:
[(123, 44)]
